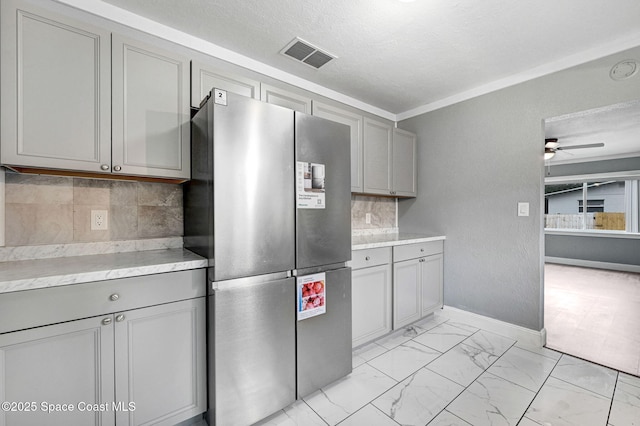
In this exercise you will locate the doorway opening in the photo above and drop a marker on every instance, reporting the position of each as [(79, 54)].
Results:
[(591, 233)]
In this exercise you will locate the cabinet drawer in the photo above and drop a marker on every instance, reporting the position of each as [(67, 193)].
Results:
[(370, 257), (413, 251), (33, 308)]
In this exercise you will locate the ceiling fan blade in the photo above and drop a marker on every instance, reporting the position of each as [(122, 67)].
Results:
[(589, 145)]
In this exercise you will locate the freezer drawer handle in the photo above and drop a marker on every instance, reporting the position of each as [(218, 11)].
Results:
[(114, 297), (106, 321)]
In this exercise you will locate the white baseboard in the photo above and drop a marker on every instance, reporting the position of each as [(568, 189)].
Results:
[(592, 264), (521, 334)]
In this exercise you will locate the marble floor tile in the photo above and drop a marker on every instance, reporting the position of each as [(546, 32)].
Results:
[(368, 415), (549, 353), (527, 422), (524, 368), (396, 338), (445, 418), (598, 379), (404, 360), (490, 342), (462, 364), (492, 401), (429, 323), (563, 404), (366, 353), (625, 409), (419, 398), (297, 414), (444, 336), (344, 397)]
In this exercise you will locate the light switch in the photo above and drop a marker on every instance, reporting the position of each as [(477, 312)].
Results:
[(523, 209)]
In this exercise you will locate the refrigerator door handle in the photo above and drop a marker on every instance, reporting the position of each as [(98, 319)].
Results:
[(317, 269)]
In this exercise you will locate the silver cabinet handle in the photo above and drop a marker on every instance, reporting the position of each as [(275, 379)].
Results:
[(104, 167), (106, 321), (114, 297), (120, 318), (117, 168), (367, 258)]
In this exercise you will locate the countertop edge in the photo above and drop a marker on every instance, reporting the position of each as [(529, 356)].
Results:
[(396, 242)]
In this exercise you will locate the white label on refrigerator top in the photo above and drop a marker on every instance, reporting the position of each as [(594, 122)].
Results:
[(311, 300), (220, 97), (310, 178)]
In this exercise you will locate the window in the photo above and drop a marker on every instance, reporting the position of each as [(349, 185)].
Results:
[(592, 206), (612, 205)]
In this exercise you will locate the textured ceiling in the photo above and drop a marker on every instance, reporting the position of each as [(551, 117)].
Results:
[(400, 56), (617, 126)]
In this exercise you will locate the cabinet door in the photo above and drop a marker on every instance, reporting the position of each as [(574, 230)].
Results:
[(354, 121), (404, 163), (406, 292), (371, 303), (431, 283), (277, 96), (151, 114), (67, 363), (160, 363), (377, 157), (205, 78), (56, 84)]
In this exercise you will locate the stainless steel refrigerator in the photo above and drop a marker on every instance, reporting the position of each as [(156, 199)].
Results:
[(269, 205)]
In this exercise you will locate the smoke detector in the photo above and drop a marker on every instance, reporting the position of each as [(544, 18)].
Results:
[(307, 53), (624, 69)]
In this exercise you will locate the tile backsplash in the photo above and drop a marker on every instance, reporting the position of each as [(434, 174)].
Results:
[(57, 210), (383, 213)]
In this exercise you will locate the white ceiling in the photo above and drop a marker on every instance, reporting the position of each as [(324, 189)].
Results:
[(402, 58), (617, 126)]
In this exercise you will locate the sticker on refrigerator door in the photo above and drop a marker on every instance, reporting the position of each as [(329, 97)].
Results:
[(311, 298), (220, 97), (310, 179)]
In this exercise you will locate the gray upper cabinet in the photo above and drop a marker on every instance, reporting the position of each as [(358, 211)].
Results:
[(56, 84), (204, 78), (284, 98), (151, 112), (377, 157), (354, 121), (404, 168)]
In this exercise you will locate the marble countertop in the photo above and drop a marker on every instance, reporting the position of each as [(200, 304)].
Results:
[(361, 242), (32, 274)]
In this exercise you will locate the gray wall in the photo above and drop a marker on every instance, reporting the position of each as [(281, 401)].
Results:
[(477, 159), (624, 251)]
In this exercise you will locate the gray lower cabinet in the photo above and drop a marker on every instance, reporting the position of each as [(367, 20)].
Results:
[(137, 366), (151, 111), (417, 281), (55, 81), (160, 363), (69, 363), (371, 289)]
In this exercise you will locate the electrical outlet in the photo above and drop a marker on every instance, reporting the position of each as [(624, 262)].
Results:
[(367, 218), (99, 220)]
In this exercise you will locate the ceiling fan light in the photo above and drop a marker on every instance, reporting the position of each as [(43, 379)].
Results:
[(551, 143), (549, 153)]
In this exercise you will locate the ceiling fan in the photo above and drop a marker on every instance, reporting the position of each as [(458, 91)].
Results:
[(551, 145)]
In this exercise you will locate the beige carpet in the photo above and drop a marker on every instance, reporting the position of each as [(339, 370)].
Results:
[(594, 314)]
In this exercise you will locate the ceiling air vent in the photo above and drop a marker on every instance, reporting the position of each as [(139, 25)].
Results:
[(307, 53)]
